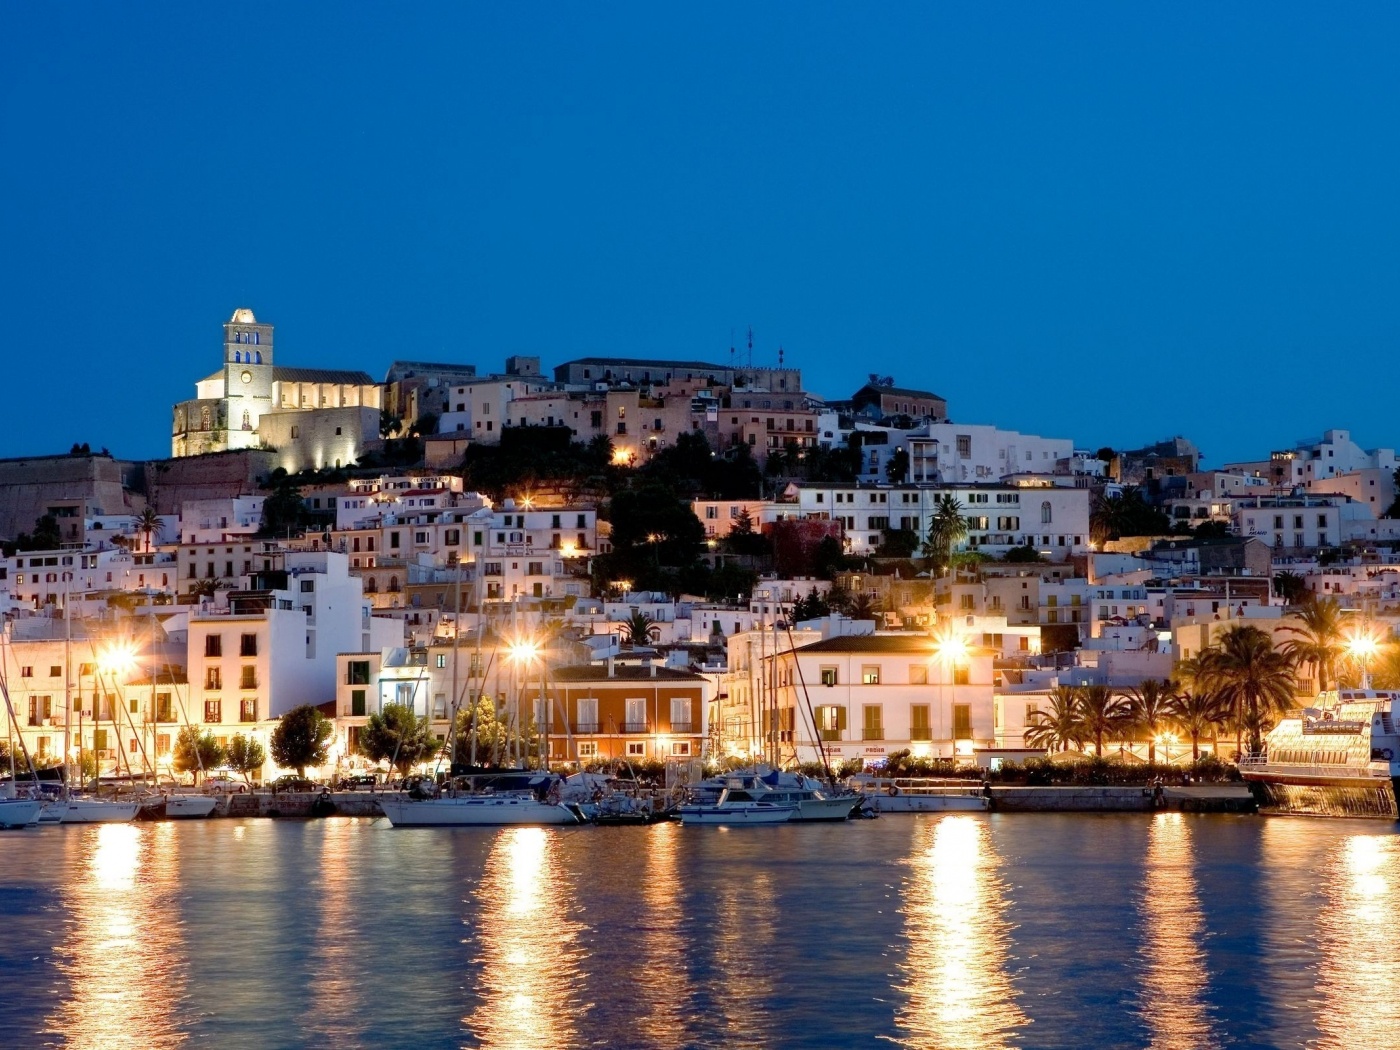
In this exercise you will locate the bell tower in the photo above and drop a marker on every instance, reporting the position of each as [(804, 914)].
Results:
[(247, 376)]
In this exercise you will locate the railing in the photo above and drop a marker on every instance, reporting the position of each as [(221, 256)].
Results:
[(873, 734), (635, 727), (1261, 764), (682, 727), (585, 727), (920, 734)]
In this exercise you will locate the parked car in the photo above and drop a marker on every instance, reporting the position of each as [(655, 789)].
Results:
[(219, 785), (292, 782), (356, 781)]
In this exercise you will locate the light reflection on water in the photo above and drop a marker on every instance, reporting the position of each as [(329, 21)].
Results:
[(122, 960), (957, 992), (961, 931), (1172, 955), (529, 959), (1356, 932)]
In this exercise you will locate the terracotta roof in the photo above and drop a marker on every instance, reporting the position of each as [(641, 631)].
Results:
[(599, 673), (873, 643)]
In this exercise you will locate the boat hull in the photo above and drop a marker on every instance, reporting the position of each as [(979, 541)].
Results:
[(19, 812), (1322, 797), (736, 815), (827, 809), (475, 812), (189, 807), (92, 811)]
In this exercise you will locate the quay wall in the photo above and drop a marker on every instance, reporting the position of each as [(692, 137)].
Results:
[(1223, 798)]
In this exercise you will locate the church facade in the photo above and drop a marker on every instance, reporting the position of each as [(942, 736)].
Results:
[(312, 417)]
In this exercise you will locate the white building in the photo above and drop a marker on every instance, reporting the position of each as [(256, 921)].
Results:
[(958, 453)]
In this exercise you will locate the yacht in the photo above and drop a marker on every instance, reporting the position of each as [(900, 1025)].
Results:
[(178, 807), (495, 801), (919, 794), (74, 810), (19, 812), (813, 802), (740, 801), (1339, 757)]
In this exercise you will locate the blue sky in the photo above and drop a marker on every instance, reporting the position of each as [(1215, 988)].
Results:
[(1109, 222)]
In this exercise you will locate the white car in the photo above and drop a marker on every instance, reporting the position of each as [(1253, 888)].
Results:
[(224, 786)]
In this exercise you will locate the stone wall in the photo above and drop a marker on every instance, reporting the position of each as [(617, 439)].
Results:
[(169, 482), (28, 486)]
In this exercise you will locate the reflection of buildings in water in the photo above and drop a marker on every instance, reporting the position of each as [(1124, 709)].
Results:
[(1174, 980), (957, 992), (744, 946), (529, 958), (661, 977), (337, 1011), (123, 962), (1359, 975)]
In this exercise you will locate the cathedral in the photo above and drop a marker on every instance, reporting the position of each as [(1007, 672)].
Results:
[(312, 417)]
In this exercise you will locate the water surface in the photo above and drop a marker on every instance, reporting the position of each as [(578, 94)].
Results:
[(957, 931)]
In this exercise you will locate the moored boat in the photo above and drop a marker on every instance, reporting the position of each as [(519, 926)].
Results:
[(737, 805), (19, 812), (920, 794), (1338, 757), (75, 810), (463, 811)]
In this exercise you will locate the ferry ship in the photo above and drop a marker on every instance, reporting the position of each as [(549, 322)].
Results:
[(1339, 757)]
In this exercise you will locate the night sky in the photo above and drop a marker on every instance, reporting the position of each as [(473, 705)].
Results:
[(1108, 222)]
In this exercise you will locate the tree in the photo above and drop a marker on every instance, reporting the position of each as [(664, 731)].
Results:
[(398, 736), (945, 530), (1025, 555), (897, 466), (1128, 514), (196, 751), (1059, 728), (1150, 711), (148, 524), (1254, 679), (1290, 587), (898, 543), (490, 734), (1317, 629), (1196, 712), (301, 739), (1102, 714), (245, 756), (640, 629), (389, 424), (811, 607)]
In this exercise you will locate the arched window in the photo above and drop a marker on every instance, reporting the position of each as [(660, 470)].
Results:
[(1045, 513), (256, 340), (371, 587), (257, 354), (237, 357), (393, 584)]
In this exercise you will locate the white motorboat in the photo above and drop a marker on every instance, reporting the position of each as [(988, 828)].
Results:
[(1340, 756), (812, 802), (94, 811), (738, 805), (189, 807), (19, 812), (465, 811), (920, 794)]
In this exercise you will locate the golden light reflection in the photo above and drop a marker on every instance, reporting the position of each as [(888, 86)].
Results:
[(1360, 970), (530, 950), (957, 992), (662, 973), (1175, 980), (336, 1011), (123, 960), (745, 944)]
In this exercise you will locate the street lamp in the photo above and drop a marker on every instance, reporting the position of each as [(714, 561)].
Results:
[(951, 647), (1362, 646), (522, 652)]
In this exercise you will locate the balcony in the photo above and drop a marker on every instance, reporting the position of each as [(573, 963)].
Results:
[(921, 733), (873, 733), (585, 727), (636, 727), (682, 727)]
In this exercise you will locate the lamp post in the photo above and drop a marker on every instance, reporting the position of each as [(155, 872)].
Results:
[(1362, 646), (523, 652), (952, 649)]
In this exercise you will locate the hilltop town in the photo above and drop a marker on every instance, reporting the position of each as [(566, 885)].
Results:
[(662, 562)]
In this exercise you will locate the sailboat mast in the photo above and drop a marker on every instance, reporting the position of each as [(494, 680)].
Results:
[(67, 679)]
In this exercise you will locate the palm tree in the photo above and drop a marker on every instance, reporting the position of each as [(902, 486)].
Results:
[(1102, 714), (1058, 728), (1253, 678), (1387, 672), (640, 629), (148, 523), (946, 529), (1318, 637), (1196, 712), (1149, 711)]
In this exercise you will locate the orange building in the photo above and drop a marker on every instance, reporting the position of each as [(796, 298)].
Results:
[(652, 713)]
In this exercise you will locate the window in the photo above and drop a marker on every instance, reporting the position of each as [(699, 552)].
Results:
[(248, 711), (213, 678), (307, 586), (680, 748), (831, 721), (874, 723), (213, 711), (248, 679), (960, 674), (635, 720), (870, 674), (213, 645), (680, 715), (962, 721), (248, 645), (55, 671), (636, 748), (1045, 513), (357, 702), (357, 672), (964, 446), (918, 722), (165, 709), (588, 748), (918, 674), (587, 716), (26, 672)]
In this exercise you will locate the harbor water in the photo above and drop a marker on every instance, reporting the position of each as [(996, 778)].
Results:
[(959, 930)]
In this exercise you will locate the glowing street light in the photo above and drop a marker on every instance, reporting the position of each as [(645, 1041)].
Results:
[(118, 658), (523, 651), (1362, 646), (950, 645)]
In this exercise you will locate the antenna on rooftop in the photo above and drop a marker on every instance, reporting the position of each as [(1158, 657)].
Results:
[(750, 346), (780, 357)]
